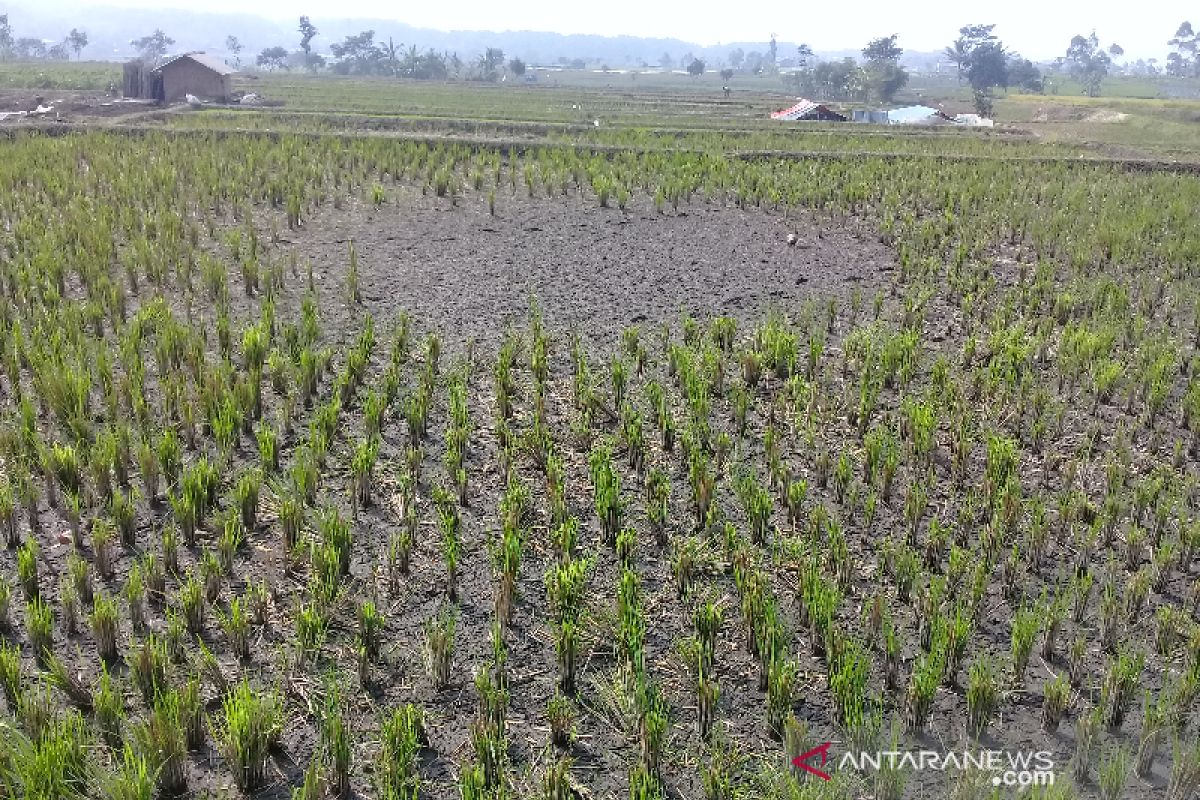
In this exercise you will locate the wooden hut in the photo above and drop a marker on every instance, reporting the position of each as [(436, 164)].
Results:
[(197, 74)]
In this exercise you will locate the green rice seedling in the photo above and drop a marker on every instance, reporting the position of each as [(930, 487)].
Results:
[(212, 566), (245, 497), (922, 685), (560, 712), (607, 492), (797, 495), (335, 742), (451, 525), (108, 706), (566, 648), (187, 515), (626, 547), (1056, 697), (658, 489), (191, 712), (490, 753), (27, 568), (652, 727), (69, 601), (102, 537), (1110, 618), (507, 554), (396, 772), (258, 601), (1025, 627), (39, 626), (1076, 666), (149, 664), (707, 695), (1185, 771), (233, 535), (1166, 629), (780, 694), (362, 469), (311, 627), (556, 783), (906, 567), (132, 778), (370, 628), (124, 514), (1121, 680), (192, 603), (135, 596), (161, 740), (149, 466), (104, 622), (439, 646), (1153, 719), (1087, 726), (472, 784), (8, 515), (719, 774), (53, 763), (335, 533), (1114, 771), (249, 725), (35, 710), (848, 674), (236, 624)]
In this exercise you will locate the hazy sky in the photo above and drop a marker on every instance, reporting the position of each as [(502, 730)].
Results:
[(1036, 28)]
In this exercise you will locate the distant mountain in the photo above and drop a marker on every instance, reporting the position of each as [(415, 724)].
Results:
[(110, 31)]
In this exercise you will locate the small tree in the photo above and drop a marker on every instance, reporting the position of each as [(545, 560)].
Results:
[(234, 46), (153, 47), (1088, 63), (726, 74), (490, 63), (969, 38), (308, 32), (272, 58), (988, 67), (516, 66), (884, 74), (1023, 74), (696, 67), (983, 103), (77, 40), (6, 38), (1182, 60)]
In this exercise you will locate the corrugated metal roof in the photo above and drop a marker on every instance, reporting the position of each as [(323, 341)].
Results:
[(797, 111), (203, 59), (804, 109), (911, 114)]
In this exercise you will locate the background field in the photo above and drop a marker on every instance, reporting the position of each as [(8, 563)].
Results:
[(415, 440)]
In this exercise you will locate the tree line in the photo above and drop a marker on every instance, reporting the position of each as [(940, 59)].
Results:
[(363, 54), (28, 48)]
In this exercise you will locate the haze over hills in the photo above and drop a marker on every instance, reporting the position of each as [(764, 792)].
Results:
[(110, 31)]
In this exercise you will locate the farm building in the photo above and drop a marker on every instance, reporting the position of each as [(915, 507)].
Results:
[(917, 115), (197, 74), (809, 111), (868, 115), (909, 115)]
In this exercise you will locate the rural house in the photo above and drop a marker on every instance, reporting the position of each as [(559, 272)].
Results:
[(197, 74)]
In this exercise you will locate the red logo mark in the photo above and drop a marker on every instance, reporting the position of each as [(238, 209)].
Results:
[(801, 761)]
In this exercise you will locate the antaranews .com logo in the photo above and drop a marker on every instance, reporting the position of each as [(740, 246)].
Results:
[(1010, 768)]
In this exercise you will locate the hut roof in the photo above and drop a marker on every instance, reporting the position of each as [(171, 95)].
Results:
[(804, 109), (203, 59)]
